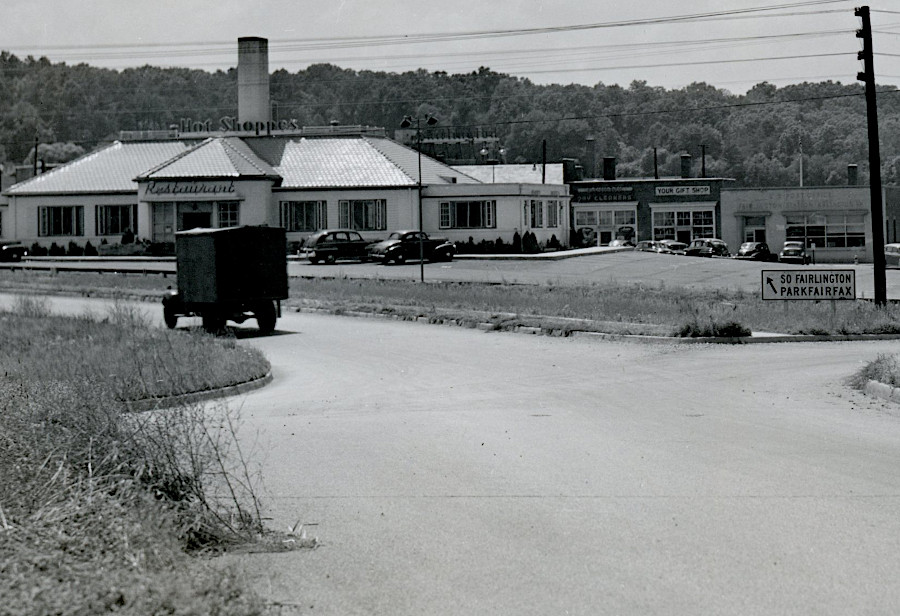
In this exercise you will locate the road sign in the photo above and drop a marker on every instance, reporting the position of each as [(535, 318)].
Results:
[(809, 284)]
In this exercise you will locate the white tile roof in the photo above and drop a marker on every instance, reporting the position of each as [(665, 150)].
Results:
[(110, 169), (301, 162)]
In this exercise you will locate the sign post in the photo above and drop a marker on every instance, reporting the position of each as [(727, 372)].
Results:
[(801, 284)]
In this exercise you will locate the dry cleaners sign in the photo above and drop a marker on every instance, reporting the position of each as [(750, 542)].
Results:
[(803, 284)]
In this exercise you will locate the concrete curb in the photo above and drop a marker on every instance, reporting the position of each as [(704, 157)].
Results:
[(883, 391), (154, 404)]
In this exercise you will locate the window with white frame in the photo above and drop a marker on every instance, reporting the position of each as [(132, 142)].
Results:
[(553, 209), (675, 224), (537, 214), (468, 214), (585, 218), (228, 213), (304, 215), (363, 214), (116, 219), (60, 220)]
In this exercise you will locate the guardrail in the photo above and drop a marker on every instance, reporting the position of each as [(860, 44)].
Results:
[(163, 266)]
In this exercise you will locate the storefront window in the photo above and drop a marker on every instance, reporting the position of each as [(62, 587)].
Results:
[(364, 214), (586, 219), (625, 217), (468, 214), (826, 231), (683, 225), (115, 219), (304, 215), (61, 220)]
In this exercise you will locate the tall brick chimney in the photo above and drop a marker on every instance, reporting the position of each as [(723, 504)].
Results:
[(253, 82)]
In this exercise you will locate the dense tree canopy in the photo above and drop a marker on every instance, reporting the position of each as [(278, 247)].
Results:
[(756, 138)]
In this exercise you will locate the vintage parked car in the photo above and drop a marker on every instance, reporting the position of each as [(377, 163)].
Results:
[(892, 255), (13, 252), (673, 247), (794, 252), (621, 243), (755, 251), (401, 246), (707, 247), (330, 245), (647, 246)]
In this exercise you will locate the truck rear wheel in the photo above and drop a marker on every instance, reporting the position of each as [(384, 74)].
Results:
[(266, 316)]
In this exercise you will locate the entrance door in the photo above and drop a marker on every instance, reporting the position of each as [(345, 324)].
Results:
[(683, 235), (759, 235), (193, 220)]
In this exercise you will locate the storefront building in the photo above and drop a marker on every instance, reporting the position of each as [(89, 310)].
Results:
[(833, 222), (636, 209)]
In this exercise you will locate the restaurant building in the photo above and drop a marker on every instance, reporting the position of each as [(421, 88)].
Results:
[(249, 170)]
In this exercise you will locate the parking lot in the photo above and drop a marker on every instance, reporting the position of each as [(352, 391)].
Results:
[(601, 267)]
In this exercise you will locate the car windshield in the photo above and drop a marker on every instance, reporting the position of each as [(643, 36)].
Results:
[(748, 246), (792, 245), (394, 236)]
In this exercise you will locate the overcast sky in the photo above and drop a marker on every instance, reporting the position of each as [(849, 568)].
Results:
[(203, 34)]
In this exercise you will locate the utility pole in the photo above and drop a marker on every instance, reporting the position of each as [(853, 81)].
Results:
[(868, 77)]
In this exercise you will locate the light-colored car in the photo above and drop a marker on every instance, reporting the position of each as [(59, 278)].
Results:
[(673, 247), (793, 252), (892, 255)]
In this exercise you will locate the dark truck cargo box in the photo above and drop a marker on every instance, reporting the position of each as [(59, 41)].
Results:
[(232, 265), (230, 274)]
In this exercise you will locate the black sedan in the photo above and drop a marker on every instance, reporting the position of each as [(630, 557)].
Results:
[(755, 251), (402, 246), (13, 252), (332, 244), (707, 247)]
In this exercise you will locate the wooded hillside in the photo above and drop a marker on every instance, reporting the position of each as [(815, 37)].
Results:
[(754, 138)]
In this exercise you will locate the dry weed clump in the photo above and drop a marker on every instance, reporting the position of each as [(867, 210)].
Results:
[(98, 506)]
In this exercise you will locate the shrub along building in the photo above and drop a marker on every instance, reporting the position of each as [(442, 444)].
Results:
[(834, 223), (250, 170), (637, 209)]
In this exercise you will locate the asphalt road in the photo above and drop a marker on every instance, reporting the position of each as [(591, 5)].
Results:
[(453, 471)]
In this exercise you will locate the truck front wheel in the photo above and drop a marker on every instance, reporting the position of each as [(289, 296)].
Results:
[(266, 317), (170, 317)]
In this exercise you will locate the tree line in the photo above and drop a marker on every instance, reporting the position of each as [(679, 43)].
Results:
[(755, 138)]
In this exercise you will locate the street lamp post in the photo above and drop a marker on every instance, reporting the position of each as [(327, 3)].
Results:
[(430, 120)]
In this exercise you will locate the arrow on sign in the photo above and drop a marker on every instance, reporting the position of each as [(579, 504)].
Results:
[(769, 282)]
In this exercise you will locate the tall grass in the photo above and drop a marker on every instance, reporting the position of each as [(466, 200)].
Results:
[(683, 311), (99, 506)]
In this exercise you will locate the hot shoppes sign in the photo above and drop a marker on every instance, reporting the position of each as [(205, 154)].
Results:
[(228, 124)]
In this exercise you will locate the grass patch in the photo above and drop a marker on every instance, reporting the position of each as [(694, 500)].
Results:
[(100, 508), (884, 369), (607, 307)]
